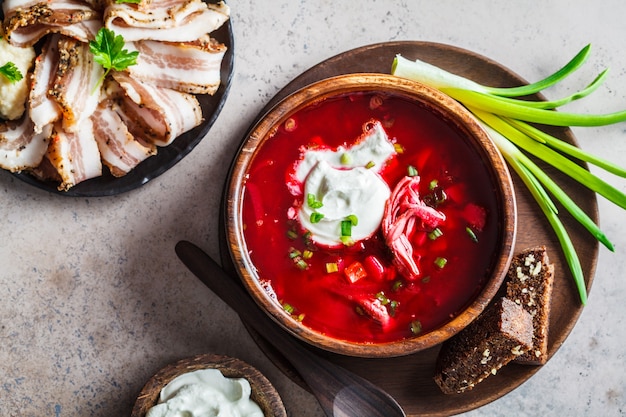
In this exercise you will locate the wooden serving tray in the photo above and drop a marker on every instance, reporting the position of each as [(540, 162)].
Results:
[(409, 378)]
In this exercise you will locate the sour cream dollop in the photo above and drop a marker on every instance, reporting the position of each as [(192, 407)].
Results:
[(206, 393), (346, 182)]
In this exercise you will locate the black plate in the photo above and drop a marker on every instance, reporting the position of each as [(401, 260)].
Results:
[(166, 157)]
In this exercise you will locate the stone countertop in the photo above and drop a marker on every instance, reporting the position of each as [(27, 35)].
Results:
[(94, 300)]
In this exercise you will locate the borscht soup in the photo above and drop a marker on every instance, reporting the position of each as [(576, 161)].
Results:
[(369, 218)]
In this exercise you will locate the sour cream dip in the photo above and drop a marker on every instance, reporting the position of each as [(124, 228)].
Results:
[(206, 393), (345, 183)]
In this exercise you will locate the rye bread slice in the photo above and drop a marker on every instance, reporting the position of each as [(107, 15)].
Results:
[(529, 283), (500, 334)]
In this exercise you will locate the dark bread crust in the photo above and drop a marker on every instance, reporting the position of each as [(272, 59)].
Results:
[(499, 335), (529, 284)]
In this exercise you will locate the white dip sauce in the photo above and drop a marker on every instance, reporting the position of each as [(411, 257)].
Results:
[(346, 182), (206, 393)]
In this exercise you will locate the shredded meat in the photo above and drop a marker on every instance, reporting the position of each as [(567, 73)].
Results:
[(405, 214)]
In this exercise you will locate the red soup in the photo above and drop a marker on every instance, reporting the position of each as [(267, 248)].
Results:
[(423, 264)]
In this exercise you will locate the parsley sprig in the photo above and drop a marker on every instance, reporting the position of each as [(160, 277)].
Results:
[(11, 72), (108, 51)]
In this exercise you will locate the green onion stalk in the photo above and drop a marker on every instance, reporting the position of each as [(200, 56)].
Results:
[(506, 118)]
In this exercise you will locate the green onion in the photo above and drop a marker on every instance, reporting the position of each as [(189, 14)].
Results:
[(370, 164), (382, 298), (507, 118), (347, 240), (316, 217), (411, 171), (415, 327), (441, 262), (398, 148), (288, 308), (346, 228), (435, 234), (433, 184), (393, 306), (397, 285), (313, 202), (345, 159), (471, 234), (331, 267)]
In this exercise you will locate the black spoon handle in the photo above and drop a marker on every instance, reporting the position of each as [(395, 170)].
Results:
[(338, 390)]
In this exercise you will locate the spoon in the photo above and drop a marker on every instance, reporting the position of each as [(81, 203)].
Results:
[(340, 392)]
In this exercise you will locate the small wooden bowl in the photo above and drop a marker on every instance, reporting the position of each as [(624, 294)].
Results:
[(263, 392), (444, 107)]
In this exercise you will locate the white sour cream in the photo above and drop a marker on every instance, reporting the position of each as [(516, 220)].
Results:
[(347, 183), (206, 393)]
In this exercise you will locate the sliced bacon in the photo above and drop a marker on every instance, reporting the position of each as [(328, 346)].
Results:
[(165, 20), (119, 150), (74, 155), (43, 109), (75, 83), (405, 214), (191, 67), (27, 21), (20, 147), (157, 114)]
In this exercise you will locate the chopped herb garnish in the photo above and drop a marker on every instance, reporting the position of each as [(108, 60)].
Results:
[(347, 240), (346, 228), (393, 306), (345, 159), (296, 256), (433, 184), (411, 171), (398, 148), (397, 285), (441, 262), (316, 217), (332, 267), (435, 234), (108, 51), (307, 254), (11, 72), (370, 164), (288, 308), (382, 298), (292, 234), (353, 219), (471, 234), (313, 202), (416, 327)]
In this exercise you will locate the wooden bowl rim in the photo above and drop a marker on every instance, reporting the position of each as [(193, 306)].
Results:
[(436, 101), (263, 392)]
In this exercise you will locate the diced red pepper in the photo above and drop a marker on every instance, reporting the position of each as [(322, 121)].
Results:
[(355, 271)]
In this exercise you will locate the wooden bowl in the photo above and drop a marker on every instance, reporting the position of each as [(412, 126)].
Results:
[(263, 392), (444, 108)]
